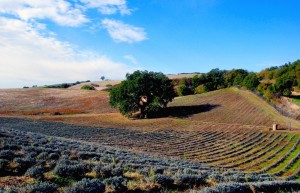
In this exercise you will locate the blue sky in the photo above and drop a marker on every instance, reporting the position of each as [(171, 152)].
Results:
[(55, 41)]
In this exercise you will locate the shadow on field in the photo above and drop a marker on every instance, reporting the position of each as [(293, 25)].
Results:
[(182, 111)]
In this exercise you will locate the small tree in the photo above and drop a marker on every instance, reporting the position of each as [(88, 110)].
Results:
[(88, 87), (183, 88), (142, 91), (196, 81)]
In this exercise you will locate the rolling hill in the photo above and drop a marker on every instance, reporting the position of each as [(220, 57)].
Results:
[(224, 130)]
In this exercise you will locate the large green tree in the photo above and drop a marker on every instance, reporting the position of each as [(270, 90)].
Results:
[(235, 77), (284, 85), (143, 92), (214, 79), (251, 81)]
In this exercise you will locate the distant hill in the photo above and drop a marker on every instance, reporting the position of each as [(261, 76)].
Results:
[(102, 85)]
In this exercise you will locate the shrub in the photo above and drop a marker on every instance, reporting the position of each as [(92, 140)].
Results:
[(200, 89), (42, 156), (43, 187), (117, 172), (117, 183), (70, 171), (216, 177), (163, 180), (103, 172), (31, 161), (191, 180), (3, 166), (88, 186), (88, 87), (3, 163), (53, 156), (7, 154), (85, 156), (158, 170), (12, 147), (35, 172), (22, 165), (183, 89)]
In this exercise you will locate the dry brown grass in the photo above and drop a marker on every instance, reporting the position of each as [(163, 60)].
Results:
[(15, 181), (40, 101), (99, 85), (91, 108), (235, 106)]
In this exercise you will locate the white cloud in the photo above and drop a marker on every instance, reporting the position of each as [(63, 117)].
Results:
[(72, 13), (132, 59), (60, 11), (122, 32), (29, 57), (109, 6), (30, 54)]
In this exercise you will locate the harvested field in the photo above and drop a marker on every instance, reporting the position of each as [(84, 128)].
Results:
[(41, 101)]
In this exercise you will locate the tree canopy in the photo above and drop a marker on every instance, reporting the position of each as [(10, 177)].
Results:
[(251, 81), (142, 91), (214, 79)]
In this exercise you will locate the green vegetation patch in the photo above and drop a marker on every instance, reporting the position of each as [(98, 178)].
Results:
[(88, 87), (296, 99)]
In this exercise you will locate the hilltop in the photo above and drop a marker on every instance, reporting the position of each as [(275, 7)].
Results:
[(102, 85)]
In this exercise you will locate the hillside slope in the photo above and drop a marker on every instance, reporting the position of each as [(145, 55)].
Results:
[(226, 107), (234, 106)]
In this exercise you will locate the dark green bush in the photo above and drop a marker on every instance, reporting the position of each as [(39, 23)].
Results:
[(88, 87)]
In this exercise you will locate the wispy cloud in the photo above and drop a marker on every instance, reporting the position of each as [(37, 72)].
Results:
[(122, 32), (132, 59), (60, 11), (29, 56), (109, 6)]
